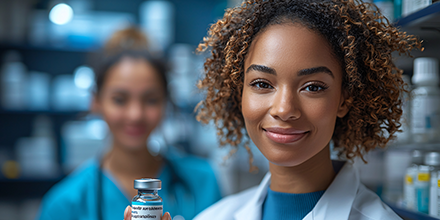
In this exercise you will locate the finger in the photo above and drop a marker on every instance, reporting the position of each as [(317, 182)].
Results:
[(127, 213), (166, 216)]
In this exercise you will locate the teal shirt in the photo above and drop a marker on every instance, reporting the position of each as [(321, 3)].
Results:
[(75, 197), (290, 206)]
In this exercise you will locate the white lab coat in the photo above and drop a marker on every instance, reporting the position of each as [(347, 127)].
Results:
[(345, 198)]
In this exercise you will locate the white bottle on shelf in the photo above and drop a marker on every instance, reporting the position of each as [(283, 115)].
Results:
[(425, 104), (422, 186), (432, 159), (409, 191)]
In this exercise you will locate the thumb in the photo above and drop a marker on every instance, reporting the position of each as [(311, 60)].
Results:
[(127, 213), (166, 216)]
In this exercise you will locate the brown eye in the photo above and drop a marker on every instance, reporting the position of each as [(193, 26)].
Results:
[(315, 88), (261, 85)]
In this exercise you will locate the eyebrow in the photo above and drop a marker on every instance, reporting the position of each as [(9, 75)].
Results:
[(303, 72), (261, 68), (320, 69)]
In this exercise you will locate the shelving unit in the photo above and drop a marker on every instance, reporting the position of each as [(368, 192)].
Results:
[(426, 25), (16, 124), (410, 215)]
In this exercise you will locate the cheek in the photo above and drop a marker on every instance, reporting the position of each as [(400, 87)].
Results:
[(322, 114), (253, 108), (154, 115), (112, 115)]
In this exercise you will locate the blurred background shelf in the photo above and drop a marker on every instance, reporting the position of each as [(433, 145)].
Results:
[(414, 146), (430, 13), (410, 215), (425, 24), (28, 188)]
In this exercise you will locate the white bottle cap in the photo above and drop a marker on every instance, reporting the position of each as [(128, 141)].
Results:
[(426, 71)]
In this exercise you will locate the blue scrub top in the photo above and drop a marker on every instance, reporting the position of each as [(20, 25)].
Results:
[(75, 197)]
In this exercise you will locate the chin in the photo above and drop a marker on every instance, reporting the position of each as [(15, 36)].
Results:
[(286, 162), (134, 144), (286, 158)]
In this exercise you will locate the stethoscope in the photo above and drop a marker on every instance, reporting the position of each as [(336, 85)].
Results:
[(175, 181)]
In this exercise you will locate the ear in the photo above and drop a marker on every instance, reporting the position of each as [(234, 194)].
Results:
[(344, 104), (95, 105)]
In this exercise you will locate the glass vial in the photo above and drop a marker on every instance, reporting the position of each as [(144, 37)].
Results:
[(147, 204)]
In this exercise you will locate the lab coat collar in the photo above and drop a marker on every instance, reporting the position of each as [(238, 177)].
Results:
[(252, 210), (335, 203)]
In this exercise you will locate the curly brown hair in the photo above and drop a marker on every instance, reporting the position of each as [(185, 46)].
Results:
[(361, 39)]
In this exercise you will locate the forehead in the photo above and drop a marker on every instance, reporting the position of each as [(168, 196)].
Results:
[(132, 73), (288, 47)]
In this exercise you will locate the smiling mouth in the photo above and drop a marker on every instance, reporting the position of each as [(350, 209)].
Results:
[(135, 130), (284, 136)]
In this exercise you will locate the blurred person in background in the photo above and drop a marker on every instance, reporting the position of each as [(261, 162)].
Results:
[(131, 96)]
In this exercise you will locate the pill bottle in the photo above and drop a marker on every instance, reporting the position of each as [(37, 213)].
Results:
[(409, 191), (422, 186), (432, 159), (425, 104), (147, 204)]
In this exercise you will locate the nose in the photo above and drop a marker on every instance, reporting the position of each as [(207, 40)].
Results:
[(134, 111), (285, 105)]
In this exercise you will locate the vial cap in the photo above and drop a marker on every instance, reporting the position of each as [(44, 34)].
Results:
[(148, 184), (426, 71), (432, 159), (417, 157)]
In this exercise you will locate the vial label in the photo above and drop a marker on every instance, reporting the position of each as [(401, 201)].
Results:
[(424, 112), (149, 210)]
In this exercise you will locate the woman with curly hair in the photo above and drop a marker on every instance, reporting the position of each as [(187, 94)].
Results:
[(294, 75)]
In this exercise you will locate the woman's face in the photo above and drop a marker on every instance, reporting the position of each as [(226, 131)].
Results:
[(132, 101), (292, 93)]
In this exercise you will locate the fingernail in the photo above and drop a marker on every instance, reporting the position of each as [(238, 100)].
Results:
[(125, 212), (169, 216)]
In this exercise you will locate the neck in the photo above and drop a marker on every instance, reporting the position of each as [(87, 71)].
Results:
[(315, 174), (131, 163)]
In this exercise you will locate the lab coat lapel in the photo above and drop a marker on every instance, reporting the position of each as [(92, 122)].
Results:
[(337, 201), (252, 209)]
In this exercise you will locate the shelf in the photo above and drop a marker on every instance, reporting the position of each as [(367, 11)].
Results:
[(414, 146), (410, 215), (425, 13), (45, 48), (424, 24), (25, 188), (41, 112)]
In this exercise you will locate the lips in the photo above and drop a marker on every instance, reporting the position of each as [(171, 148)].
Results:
[(284, 135), (135, 130)]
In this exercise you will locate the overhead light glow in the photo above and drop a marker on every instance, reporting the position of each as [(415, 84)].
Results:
[(61, 14)]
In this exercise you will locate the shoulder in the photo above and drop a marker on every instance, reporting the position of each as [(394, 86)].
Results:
[(226, 207), (69, 191), (368, 206)]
